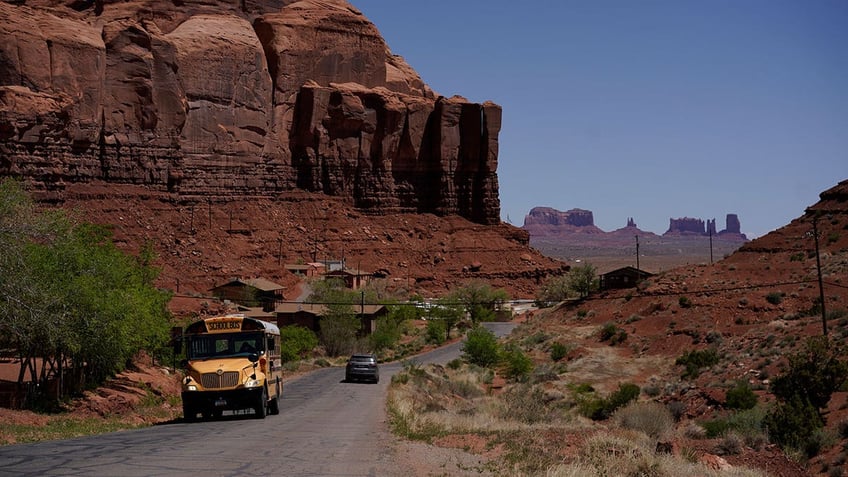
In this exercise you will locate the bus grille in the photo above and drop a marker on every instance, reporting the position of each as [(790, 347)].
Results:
[(214, 381)]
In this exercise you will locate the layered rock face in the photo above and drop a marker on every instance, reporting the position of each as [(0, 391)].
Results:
[(546, 221), (685, 226), (207, 100), (689, 226)]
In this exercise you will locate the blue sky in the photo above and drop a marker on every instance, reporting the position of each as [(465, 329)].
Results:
[(651, 109)]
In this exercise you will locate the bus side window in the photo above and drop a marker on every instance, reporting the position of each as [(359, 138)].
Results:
[(272, 349)]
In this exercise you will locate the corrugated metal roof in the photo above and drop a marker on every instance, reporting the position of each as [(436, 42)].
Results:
[(319, 309), (263, 284)]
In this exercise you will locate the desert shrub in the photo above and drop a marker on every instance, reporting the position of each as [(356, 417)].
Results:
[(696, 360), (814, 374), (774, 298), (582, 313), (677, 409), (730, 444), (792, 425), (612, 333), (481, 347), (797, 257), (625, 393), (534, 339), (435, 332), (650, 418), (558, 351), (750, 424), (517, 366), (684, 302), (295, 341), (633, 318), (651, 390), (597, 408), (455, 364), (525, 403), (713, 337), (741, 396), (694, 431)]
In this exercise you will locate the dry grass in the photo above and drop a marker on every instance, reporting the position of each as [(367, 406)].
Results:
[(617, 454), (532, 427)]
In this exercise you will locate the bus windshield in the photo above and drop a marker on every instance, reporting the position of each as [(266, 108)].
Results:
[(221, 345)]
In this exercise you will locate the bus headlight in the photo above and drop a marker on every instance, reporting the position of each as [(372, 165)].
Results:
[(251, 383), (191, 387)]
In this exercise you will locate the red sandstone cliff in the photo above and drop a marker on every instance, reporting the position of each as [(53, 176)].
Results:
[(209, 100)]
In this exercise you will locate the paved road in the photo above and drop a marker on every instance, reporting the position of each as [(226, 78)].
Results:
[(326, 427)]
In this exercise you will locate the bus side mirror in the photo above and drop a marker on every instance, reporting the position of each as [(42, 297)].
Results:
[(177, 339), (253, 357)]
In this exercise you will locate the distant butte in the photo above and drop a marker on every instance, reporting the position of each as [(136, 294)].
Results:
[(550, 222)]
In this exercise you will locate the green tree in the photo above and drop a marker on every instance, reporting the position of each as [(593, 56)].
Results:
[(295, 341), (555, 289), (68, 295), (446, 312), (339, 324), (582, 280), (479, 300), (481, 347), (517, 365), (814, 374)]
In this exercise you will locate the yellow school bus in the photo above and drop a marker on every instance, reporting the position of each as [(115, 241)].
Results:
[(232, 363)]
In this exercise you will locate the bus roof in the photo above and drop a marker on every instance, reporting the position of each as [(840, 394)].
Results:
[(238, 322)]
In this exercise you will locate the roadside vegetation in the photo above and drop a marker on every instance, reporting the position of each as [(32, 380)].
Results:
[(526, 411), (71, 303)]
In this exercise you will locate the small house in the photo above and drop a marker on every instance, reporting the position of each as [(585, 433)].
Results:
[(309, 315), (307, 270), (251, 292), (627, 277), (352, 278)]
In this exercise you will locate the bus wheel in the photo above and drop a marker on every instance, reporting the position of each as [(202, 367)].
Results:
[(274, 405), (189, 413), (262, 406)]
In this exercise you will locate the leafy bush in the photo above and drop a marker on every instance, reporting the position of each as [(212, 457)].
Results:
[(481, 347), (387, 333), (684, 302), (435, 332), (598, 409), (750, 424), (696, 360), (558, 351), (813, 375), (295, 341), (517, 366), (792, 425), (741, 396)]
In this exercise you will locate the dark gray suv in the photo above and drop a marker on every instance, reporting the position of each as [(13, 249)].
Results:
[(362, 367)]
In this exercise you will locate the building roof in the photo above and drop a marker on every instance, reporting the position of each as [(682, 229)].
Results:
[(349, 271), (319, 309), (628, 270), (258, 283)]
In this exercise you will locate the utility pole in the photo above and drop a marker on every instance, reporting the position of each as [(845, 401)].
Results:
[(818, 269), (637, 252), (711, 243)]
